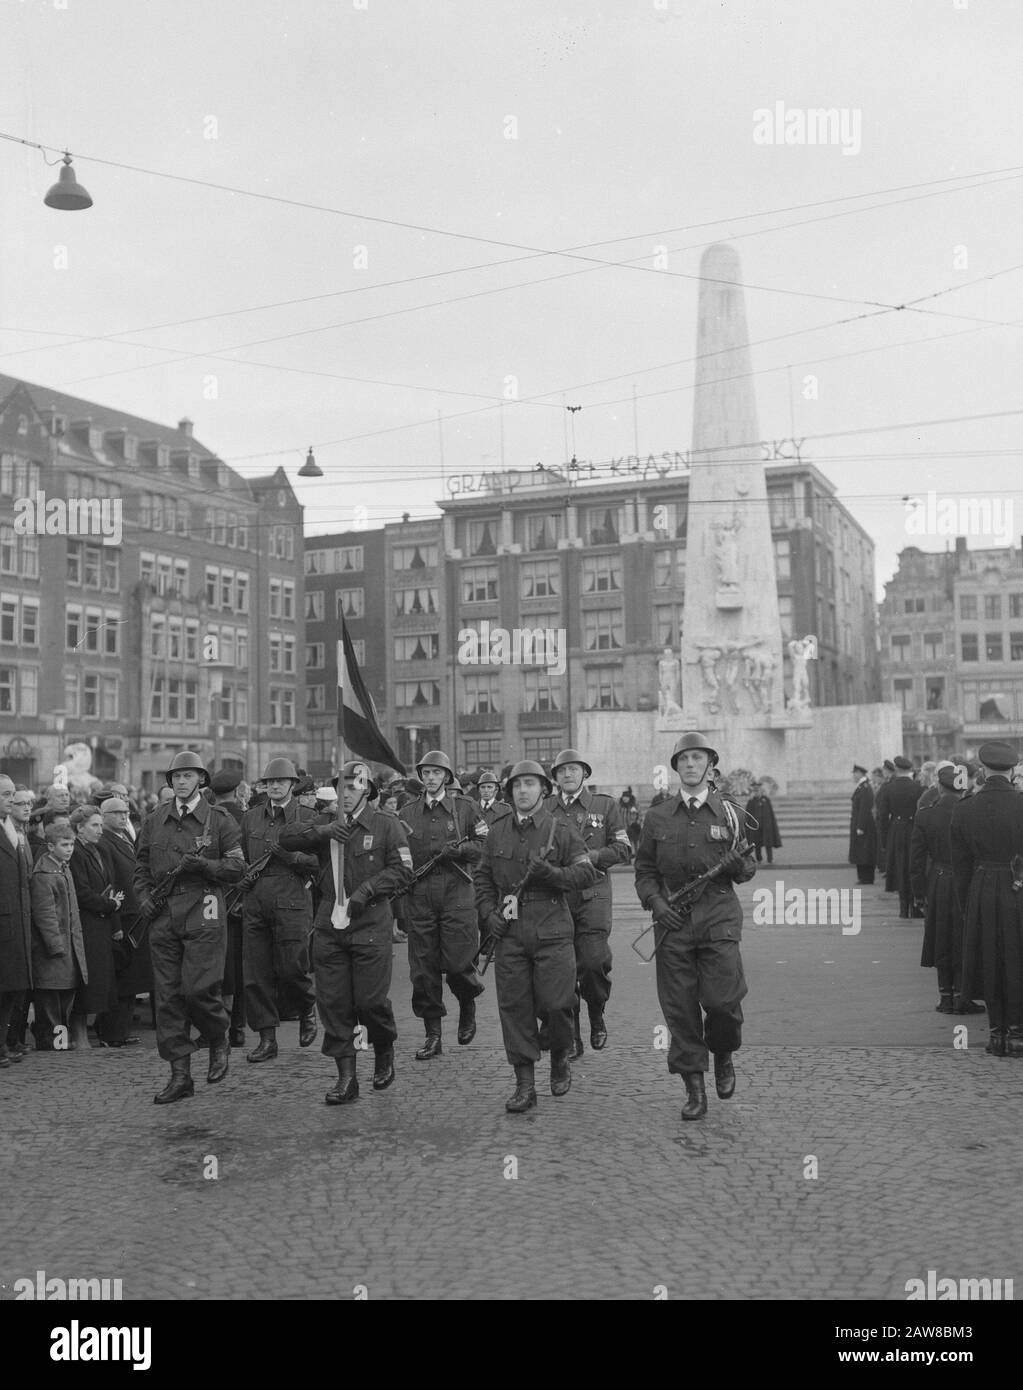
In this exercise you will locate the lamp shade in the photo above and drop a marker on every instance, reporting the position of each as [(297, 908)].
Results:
[(67, 194)]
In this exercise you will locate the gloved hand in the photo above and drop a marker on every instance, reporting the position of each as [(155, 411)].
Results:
[(358, 902), (341, 832), (665, 915), (193, 866), (595, 858), (733, 864), (149, 909), (540, 871), (282, 855), (248, 881), (496, 926)]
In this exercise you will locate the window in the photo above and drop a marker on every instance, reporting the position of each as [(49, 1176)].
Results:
[(73, 628), (351, 603), (111, 633), (71, 701), (275, 652), (408, 694), (348, 560), (669, 568), (1016, 646), (782, 507), (242, 592), (602, 574), (479, 583), (934, 646), (191, 702), (314, 562), (785, 615), (667, 624), (227, 646), (481, 693), (544, 530), (314, 656), (212, 578), (935, 687), (543, 748), (108, 697), (29, 693), (480, 537), (993, 607), (242, 659), (157, 635), (241, 705), (969, 647), (288, 655), (540, 578), (282, 707), (288, 600), (232, 530), (314, 697), (192, 640), (604, 689), (901, 647), (174, 700), (30, 557), (782, 558), (409, 601), (314, 606), (669, 520), (243, 544), (175, 636), (602, 525), (8, 690), (90, 696), (414, 557), (8, 550), (163, 574), (8, 618), (541, 691), (29, 622), (275, 598), (359, 648), (74, 562), (993, 646), (603, 629), (112, 571), (1016, 605), (417, 646), (483, 752), (904, 692), (227, 589), (968, 606)]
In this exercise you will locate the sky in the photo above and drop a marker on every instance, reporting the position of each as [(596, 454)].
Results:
[(420, 161)]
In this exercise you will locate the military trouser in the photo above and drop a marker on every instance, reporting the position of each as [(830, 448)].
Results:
[(443, 939), (592, 919), (276, 921), (52, 1010), (353, 980), (535, 979), (694, 972), (188, 944)]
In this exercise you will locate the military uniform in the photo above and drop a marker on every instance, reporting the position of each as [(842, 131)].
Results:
[(895, 826), (930, 869), (863, 831), (535, 964), (699, 964), (188, 940), (277, 918), (986, 834)]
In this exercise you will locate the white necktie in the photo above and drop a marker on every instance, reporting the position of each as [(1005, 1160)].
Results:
[(339, 916)]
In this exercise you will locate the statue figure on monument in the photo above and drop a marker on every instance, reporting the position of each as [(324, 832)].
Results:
[(710, 654), (733, 663), (759, 677), (726, 552), (669, 673), (801, 650)]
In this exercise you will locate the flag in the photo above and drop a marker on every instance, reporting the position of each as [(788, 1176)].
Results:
[(356, 714)]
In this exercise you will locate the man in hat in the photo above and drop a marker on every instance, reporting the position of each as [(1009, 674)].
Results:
[(895, 826), (698, 962), (762, 824), (352, 954), (986, 843), (199, 847), (930, 868), (862, 827), (929, 783), (277, 915), (132, 966), (492, 808), (881, 796), (443, 936), (530, 921), (599, 821)]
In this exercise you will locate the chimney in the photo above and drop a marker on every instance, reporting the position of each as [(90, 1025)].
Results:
[(185, 427)]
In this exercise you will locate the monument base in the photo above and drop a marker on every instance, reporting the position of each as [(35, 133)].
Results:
[(804, 751)]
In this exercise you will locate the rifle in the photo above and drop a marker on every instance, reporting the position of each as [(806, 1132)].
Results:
[(517, 892), (232, 900), (425, 869), (158, 897), (684, 899)]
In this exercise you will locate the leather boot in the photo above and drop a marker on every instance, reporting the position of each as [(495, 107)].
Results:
[(945, 1005), (962, 1005), (467, 1022), (696, 1106), (525, 1092), (180, 1084), (724, 1075), (237, 1037), (432, 1046), (1014, 1041), (266, 1049), (577, 1042), (996, 1043), (347, 1088), (561, 1074), (598, 1030), (307, 1028), (383, 1071), (220, 1050)]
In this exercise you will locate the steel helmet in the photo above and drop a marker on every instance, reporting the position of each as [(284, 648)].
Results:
[(188, 760), (528, 768), (688, 741), (352, 769), (436, 759), (571, 755), (487, 775), (280, 767)]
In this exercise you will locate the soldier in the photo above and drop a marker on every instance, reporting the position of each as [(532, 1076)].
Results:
[(277, 915), (200, 844), (226, 788), (930, 868), (929, 783), (492, 808), (352, 954), (895, 825), (532, 926), (443, 938), (862, 827), (599, 821), (698, 960), (881, 813), (986, 836)]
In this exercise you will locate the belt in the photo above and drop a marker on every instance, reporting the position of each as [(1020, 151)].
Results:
[(994, 864), (193, 886), (549, 897)]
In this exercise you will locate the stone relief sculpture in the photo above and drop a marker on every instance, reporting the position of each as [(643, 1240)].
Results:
[(801, 650), (760, 666), (669, 675)]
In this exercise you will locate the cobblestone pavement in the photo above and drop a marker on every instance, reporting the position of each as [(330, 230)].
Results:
[(430, 1190)]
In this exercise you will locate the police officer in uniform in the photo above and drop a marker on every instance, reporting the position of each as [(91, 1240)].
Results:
[(862, 827), (535, 963), (599, 820), (895, 826), (277, 915), (188, 935), (698, 960), (492, 808), (987, 833), (352, 953), (443, 938)]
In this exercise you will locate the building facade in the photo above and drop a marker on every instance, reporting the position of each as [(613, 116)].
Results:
[(151, 599)]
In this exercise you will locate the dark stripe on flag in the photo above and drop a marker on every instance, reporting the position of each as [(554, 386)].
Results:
[(356, 714)]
